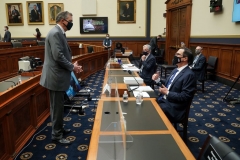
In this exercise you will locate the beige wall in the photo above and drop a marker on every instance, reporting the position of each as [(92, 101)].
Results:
[(158, 22), (204, 23), (105, 8)]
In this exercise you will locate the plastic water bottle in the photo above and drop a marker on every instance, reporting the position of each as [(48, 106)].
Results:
[(19, 79), (125, 97), (141, 96)]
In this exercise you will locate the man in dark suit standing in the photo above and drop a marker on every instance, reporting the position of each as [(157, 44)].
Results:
[(35, 16), (56, 73), (7, 35), (198, 66), (154, 45), (179, 87), (147, 65)]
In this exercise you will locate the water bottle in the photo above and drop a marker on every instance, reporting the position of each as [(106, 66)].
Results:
[(19, 79), (125, 97), (139, 98)]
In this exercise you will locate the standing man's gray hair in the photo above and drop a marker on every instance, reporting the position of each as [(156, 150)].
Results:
[(62, 15)]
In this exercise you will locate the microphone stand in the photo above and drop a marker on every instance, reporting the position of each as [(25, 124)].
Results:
[(130, 72)]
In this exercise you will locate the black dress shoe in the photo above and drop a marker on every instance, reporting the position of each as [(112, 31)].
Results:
[(62, 141), (66, 131)]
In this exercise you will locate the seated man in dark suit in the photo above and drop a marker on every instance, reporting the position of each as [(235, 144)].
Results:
[(147, 65), (119, 47), (198, 66), (178, 89)]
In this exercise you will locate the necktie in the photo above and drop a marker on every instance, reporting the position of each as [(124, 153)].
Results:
[(195, 60), (173, 74)]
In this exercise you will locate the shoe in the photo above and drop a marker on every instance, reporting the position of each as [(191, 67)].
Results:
[(66, 131), (62, 141)]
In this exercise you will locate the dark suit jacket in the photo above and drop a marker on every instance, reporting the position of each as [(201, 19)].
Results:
[(180, 93), (57, 67), (199, 68), (7, 37), (34, 16), (148, 69), (153, 43)]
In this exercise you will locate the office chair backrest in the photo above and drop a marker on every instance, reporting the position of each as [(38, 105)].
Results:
[(16, 44), (41, 43), (118, 45), (212, 61), (214, 147), (90, 49)]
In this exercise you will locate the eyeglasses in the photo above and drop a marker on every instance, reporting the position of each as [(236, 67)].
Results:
[(67, 20)]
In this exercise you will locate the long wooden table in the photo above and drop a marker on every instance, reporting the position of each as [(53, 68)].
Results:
[(153, 136)]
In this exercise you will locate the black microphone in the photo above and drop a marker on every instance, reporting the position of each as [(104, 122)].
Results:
[(130, 72)]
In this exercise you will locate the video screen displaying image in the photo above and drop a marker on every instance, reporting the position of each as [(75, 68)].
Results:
[(93, 25)]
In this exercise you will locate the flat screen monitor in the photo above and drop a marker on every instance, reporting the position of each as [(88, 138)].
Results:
[(93, 25), (74, 87)]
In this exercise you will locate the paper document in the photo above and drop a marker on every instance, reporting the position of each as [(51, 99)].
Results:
[(142, 88), (145, 94), (131, 80), (130, 67)]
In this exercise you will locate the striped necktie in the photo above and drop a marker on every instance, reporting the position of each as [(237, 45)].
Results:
[(173, 74)]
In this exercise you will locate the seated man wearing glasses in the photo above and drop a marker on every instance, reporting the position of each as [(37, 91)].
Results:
[(178, 89)]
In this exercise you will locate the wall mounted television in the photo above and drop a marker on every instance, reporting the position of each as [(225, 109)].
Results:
[(93, 25)]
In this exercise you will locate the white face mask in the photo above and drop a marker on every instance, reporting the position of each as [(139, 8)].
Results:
[(107, 37)]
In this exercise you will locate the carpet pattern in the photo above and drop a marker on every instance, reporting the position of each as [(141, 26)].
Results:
[(209, 114)]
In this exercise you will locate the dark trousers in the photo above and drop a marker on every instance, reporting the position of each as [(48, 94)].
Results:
[(56, 111)]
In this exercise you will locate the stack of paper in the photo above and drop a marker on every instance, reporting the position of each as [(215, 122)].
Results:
[(131, 80), (130, 67), (141, 88)]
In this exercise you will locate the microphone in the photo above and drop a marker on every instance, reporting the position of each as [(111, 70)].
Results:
[(130, 72)]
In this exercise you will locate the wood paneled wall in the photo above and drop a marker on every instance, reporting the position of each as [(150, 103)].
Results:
[(228, 58)]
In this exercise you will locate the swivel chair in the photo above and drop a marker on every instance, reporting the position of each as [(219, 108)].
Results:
[(213, 148), (40, 43), (212, 61), (90, 49), (166, 67), (184, 121), (16, 44)]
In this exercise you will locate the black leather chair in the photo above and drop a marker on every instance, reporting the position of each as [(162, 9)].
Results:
[(166, 67), (211, 68), (41, 43), (16, 44), (90, 49), (184, 122), (213, 148)]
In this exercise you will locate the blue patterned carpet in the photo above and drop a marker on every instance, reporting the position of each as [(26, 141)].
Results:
[(208, 115)]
